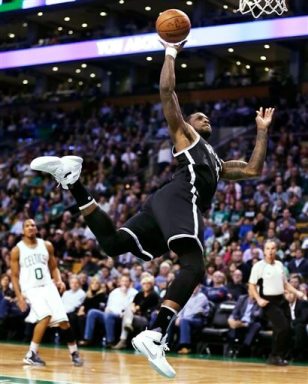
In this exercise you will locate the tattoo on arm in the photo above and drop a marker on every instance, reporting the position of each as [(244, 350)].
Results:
[(234, 170), (257, 158), (240, 170)]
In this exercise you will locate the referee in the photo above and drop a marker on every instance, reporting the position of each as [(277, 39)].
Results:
[(269, 275)]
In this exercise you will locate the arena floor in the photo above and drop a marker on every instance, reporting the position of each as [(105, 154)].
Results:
[(129, 368)]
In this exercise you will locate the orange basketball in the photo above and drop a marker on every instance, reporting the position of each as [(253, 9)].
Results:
[(173, 25)]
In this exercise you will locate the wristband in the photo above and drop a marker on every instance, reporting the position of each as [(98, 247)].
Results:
[(171, 51)]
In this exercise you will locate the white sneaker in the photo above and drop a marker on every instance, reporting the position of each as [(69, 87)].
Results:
[(66, 170), (153, 346)]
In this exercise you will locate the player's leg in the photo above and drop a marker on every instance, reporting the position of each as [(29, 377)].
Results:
[(182, 226), (152, 343), (40, 314), (66, 171), (32, 357), (69, 338)]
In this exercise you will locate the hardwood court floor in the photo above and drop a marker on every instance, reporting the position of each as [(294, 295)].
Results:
[(128, 368)]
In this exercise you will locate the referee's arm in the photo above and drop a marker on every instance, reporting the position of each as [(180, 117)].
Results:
[(253, 292)]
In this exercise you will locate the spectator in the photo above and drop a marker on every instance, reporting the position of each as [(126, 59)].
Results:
[(235, 287), (73, 298), (137, 315), (299, 264), (245, 323), (218, 292), (119, 299), (299, 316), (191, 318)]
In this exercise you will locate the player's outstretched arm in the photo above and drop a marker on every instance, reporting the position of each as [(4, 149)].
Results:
[(172, 111), (53, 267), (14, 263), (240, 170)]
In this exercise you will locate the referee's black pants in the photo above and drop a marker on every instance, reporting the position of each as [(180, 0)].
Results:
[(278, 313)]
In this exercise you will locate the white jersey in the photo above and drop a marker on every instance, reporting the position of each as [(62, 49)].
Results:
[(34, 269)]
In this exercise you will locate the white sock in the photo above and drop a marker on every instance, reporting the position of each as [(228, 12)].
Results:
[(33, 347), (72, 348)]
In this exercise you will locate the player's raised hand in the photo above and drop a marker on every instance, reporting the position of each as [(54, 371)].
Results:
[(264, 117), (178, 46)]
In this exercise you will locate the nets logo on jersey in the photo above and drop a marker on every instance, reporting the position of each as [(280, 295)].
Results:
[(218, 163)]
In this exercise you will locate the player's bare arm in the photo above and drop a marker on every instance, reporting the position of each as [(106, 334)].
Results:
[(14, 262), (181, 133), (240, 170), (53, 267)]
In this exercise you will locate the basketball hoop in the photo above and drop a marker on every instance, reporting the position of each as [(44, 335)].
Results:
[(260, 7)]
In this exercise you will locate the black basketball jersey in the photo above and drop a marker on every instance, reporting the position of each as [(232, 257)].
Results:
[(199, 168)]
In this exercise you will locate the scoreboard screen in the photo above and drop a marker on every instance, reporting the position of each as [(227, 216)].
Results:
[(14, 5)]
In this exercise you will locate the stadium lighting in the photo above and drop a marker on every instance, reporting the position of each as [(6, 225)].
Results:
[(80, 83), (109, 73), (247, 66), (84, 65), (98, 85), (262, 58), (225, 6), (230, 50), (121, 1), (67, 18), (78, 70), (84, 25), (11, 35), (267, 46), (93, 75), (183, 65), (266, 69), (25, 82), (103, 13), (189, 2), (60, 29), (25, 25), (55, 69), (238, 63), (40, 14), (147, 8), (70, 80), (149, 58)]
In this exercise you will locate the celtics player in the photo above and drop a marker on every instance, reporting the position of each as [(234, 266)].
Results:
[(37, 282), (171, 219)]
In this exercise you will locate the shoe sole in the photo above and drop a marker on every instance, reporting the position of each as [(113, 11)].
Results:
[(30, 362), (157, 369)]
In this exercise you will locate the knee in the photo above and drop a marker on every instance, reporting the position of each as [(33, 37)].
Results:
[(64, 325)]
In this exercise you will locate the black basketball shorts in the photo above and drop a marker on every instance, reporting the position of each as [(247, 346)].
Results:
[(169, 214)]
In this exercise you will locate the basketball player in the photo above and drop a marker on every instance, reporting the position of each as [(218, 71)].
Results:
[(172, 217), (33, 267)]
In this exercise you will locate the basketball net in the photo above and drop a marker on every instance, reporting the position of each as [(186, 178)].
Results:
[(260, 7)]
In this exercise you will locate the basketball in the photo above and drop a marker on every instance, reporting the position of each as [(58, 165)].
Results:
[(173, 25)]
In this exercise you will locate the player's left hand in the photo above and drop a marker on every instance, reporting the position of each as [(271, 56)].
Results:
[(177, 46), (264, 117), (61, 286)]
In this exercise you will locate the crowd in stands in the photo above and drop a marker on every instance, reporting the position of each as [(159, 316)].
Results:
[(128, 156)]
